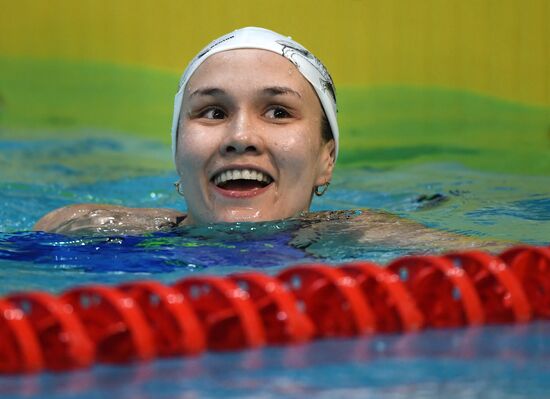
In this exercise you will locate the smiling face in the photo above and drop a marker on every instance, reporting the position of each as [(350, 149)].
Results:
[(249, 141)]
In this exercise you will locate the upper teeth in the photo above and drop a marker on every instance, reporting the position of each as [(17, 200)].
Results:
[(241, 174)]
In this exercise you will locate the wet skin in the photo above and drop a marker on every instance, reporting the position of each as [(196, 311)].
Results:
[(249, 143)]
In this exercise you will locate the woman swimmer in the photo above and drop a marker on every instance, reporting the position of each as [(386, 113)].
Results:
[(254, 137)]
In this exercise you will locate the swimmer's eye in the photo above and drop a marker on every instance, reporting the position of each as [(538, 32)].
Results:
[(212, 113), (277, 113)]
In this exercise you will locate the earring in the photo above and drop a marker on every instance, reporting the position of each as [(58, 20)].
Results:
[(320, 190), (179, 188)]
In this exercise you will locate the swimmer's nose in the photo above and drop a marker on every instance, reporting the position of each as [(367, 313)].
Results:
[(239, 147), (242, 137)]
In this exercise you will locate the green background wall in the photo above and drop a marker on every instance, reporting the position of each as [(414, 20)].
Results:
[(425, 80)]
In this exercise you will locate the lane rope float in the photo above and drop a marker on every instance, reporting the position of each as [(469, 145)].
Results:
[(142, 320)]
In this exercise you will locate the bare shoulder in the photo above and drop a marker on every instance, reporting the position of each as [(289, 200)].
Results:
[(108, 219), (383, 229)]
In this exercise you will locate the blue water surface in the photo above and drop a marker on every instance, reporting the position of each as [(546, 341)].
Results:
[(489, 362)]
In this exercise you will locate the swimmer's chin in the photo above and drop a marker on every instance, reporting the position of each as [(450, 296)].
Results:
[(239, 215), (231, 218)]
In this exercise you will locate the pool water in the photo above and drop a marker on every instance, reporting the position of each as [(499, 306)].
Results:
[(508, 362), (490, 362)]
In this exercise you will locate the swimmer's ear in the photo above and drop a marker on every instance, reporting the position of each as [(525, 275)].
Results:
[(326, 163)]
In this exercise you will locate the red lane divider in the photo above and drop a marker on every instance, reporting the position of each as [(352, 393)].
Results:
[(114, 323), (502, 297), (229, 318), (175, 326), (531, 265), (394, 308), (19, 347), (60, 334), (444, 293), (331, 299), (142, 320), (282, 320)]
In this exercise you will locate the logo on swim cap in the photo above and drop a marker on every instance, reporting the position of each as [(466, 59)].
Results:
[(290, 49), (214, 44)]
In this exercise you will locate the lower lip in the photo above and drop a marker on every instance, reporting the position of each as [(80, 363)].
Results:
[(241, 194)]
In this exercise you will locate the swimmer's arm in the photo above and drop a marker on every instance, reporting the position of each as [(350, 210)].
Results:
[(107, 219), (379, 228), (386, 228)]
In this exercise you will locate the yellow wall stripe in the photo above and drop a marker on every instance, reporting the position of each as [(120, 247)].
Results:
[(498, 47)]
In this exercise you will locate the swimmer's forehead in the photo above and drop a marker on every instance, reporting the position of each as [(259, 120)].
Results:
[(225, 66)]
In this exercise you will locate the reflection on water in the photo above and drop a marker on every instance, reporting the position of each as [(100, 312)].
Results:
[(489, 362)]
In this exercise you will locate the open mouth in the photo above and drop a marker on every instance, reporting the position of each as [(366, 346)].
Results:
[(241, 179)]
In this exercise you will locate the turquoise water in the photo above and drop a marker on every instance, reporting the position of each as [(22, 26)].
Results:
[(492, 362), (509, 362)]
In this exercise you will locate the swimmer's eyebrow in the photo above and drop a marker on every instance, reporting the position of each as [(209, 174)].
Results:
[(208, 91), (280, 90), (271, 91)]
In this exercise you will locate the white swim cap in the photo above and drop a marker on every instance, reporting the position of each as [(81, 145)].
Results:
[(258, 38)]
